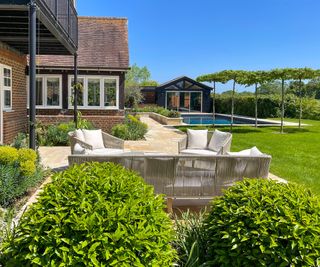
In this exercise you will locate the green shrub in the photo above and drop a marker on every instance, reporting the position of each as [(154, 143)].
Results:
[(57, 135), (93, 215), (20, 141), (8, 155), (132, 129), (18, 173), (160, 110), (264, 223)]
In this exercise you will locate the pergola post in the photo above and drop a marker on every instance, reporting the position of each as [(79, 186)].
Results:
[(75, 90), (32, 73)]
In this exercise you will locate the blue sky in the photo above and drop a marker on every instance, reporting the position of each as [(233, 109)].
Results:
[(194, 37)]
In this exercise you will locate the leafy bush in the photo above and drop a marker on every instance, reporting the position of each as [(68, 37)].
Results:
[(57, 135), (160, 110), (20, 141), (264, 223), (132, 129), (18, 172), (189, 238), (93, 215), (269, 106)]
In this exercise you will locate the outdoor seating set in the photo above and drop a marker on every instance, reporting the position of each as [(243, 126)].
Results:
[(185, 175)]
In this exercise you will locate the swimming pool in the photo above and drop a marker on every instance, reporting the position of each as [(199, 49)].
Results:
[(207, 119)]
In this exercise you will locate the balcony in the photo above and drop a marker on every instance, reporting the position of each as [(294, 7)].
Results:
[(57, 26)]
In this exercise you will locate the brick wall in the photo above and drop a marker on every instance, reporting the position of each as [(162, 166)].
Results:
[(15, 121), (85, 112), (100, 122)]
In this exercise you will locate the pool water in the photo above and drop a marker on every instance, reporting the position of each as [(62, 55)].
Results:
[(208, 119)]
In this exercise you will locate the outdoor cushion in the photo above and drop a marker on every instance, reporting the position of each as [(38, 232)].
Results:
[(204, 152), (254, 151), (217, 141), (79, 134), (246, 152), (197, 139), (104, 151), (78, 149), (93, 138)]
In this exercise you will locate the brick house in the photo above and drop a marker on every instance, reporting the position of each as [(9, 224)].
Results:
[(22, 22), (103, 60)]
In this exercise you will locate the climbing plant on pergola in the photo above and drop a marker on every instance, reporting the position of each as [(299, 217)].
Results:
[(214, 78)]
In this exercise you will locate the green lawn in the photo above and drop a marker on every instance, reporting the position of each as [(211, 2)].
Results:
[(295, 154)]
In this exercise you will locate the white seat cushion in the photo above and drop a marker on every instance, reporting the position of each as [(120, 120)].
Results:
[(104, 151), (78, 149), (218, 140), (197, 139), (79, 134), (93, 138), (204, 152)]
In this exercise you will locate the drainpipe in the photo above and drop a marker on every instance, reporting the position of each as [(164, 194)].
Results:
[(32, 72), (75, 94)]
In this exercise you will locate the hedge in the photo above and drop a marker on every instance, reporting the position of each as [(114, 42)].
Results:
[(94, 214), (131, 129), (269, 106)]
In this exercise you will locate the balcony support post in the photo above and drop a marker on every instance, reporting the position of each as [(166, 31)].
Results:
[(32, 73), (75, 90)]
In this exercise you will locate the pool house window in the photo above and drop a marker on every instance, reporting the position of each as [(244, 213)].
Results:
[(97, 92), (184, 101)]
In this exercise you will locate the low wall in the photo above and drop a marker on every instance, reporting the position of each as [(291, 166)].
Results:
[(105, 123), (162, 119)]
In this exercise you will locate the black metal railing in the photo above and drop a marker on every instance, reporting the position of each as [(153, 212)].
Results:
[(66, 15)]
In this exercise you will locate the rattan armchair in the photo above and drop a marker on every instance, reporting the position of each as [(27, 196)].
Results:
[(109, 141)]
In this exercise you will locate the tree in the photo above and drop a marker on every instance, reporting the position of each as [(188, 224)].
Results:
[(255, 78), (214, 78), (270, 88), (137, 75), (235, 76), (135, 78), (283, 75), (299, 75)]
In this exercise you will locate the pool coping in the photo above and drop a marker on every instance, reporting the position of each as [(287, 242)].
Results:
[(268, 123)]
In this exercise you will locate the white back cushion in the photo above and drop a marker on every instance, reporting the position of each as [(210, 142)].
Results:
[(79, 134), (246, 152), (93, 138), (255, 151), (218, 139), (197, 139)]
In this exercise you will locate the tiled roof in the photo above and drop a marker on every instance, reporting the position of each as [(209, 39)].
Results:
[(103, 43)]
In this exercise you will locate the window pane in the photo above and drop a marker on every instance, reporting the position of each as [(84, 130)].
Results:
[(39, 92), (195, 103), (80, 92), (110, 92), (7, 77), (53, 97), (7, 98), (93, 92), (172, 100)]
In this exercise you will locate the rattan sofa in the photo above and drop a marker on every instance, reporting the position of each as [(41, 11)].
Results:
[(187, 176), (183, 145)]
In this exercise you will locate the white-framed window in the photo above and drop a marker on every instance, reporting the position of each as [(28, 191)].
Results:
[(6, 77), (97, 92), (48, 91)]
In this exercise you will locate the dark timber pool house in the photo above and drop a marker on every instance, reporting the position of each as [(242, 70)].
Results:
[(182, 94)]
